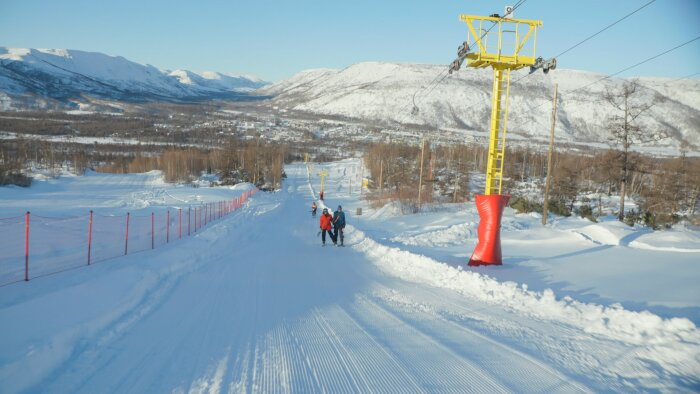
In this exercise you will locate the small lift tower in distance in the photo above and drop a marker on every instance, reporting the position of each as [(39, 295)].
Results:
[(504, 44)]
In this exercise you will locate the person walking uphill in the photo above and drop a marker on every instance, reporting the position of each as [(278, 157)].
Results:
[(326, 226), (339, 224)]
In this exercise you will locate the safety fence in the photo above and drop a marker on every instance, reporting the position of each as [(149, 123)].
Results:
[(33, 245)]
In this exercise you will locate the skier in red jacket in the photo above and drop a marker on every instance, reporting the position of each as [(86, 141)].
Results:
[(326, 226)]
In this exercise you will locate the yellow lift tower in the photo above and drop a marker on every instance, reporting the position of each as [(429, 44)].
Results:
[(488, 36), (323, 174), (504, 44)]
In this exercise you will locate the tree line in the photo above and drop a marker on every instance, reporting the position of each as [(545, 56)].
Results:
[(236, 161)]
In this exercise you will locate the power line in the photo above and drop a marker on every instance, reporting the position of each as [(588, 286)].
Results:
[(605, 28), (682, 78), (611, 75), (635, 65), (432, 85), (614, 74), (592, 36)]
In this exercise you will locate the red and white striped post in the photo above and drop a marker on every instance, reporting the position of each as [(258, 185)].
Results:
[(167, 229), (126, 242), (90, 237), (180, 221), (153, 230), (26, 247)]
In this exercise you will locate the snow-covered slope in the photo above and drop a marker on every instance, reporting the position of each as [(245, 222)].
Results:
[(68, 75), (383, 92), (253, 303)]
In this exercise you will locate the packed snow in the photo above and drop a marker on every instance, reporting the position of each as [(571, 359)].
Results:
[(254, 303)]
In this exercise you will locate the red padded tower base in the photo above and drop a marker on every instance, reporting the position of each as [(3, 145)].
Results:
[(488, 249)]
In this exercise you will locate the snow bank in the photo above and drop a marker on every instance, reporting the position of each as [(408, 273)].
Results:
[(453, 235), (673, 342)]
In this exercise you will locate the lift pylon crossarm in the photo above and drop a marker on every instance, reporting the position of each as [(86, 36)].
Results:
[(484, 58)]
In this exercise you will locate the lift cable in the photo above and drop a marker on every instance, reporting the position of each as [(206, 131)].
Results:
[(635, 65), (608, 76), (621, 71), (592, 36), (431, 86), (606, 28)]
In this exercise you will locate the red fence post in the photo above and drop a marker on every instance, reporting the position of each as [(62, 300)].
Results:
[(153, 230), (126, 242), (26, 247), (180, 221), (90, 237), (167, 230)]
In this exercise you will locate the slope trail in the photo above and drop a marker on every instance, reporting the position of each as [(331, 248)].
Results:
[(269, 310)]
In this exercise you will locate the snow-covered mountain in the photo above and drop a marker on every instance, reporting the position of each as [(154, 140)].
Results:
[(35, 75), (383, 92)]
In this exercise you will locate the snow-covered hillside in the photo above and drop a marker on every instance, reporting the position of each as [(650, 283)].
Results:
[(383, 92), (32, 75), (254, 303)]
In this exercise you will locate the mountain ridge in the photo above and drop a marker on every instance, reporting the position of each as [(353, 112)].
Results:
[(383, 92), (70, 77)]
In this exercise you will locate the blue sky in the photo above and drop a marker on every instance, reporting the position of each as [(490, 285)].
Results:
[(276, 39)]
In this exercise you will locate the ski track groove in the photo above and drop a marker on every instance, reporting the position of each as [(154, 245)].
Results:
[(391, 357), (513, 368), (309, 370), (323, 360), (300, 380), (341, 352), (435, 359)]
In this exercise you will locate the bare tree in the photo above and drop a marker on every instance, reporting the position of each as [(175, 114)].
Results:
[(625, 132)]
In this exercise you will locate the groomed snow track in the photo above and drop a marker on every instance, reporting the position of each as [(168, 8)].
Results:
[(255, 304)]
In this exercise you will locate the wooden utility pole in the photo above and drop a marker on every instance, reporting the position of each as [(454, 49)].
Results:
[(420, 176), (381, 174), (362, 178), (454, 197), (549, 157)]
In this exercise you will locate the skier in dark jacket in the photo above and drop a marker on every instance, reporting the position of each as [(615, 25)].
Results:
[(339, 224), (313, 209)]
